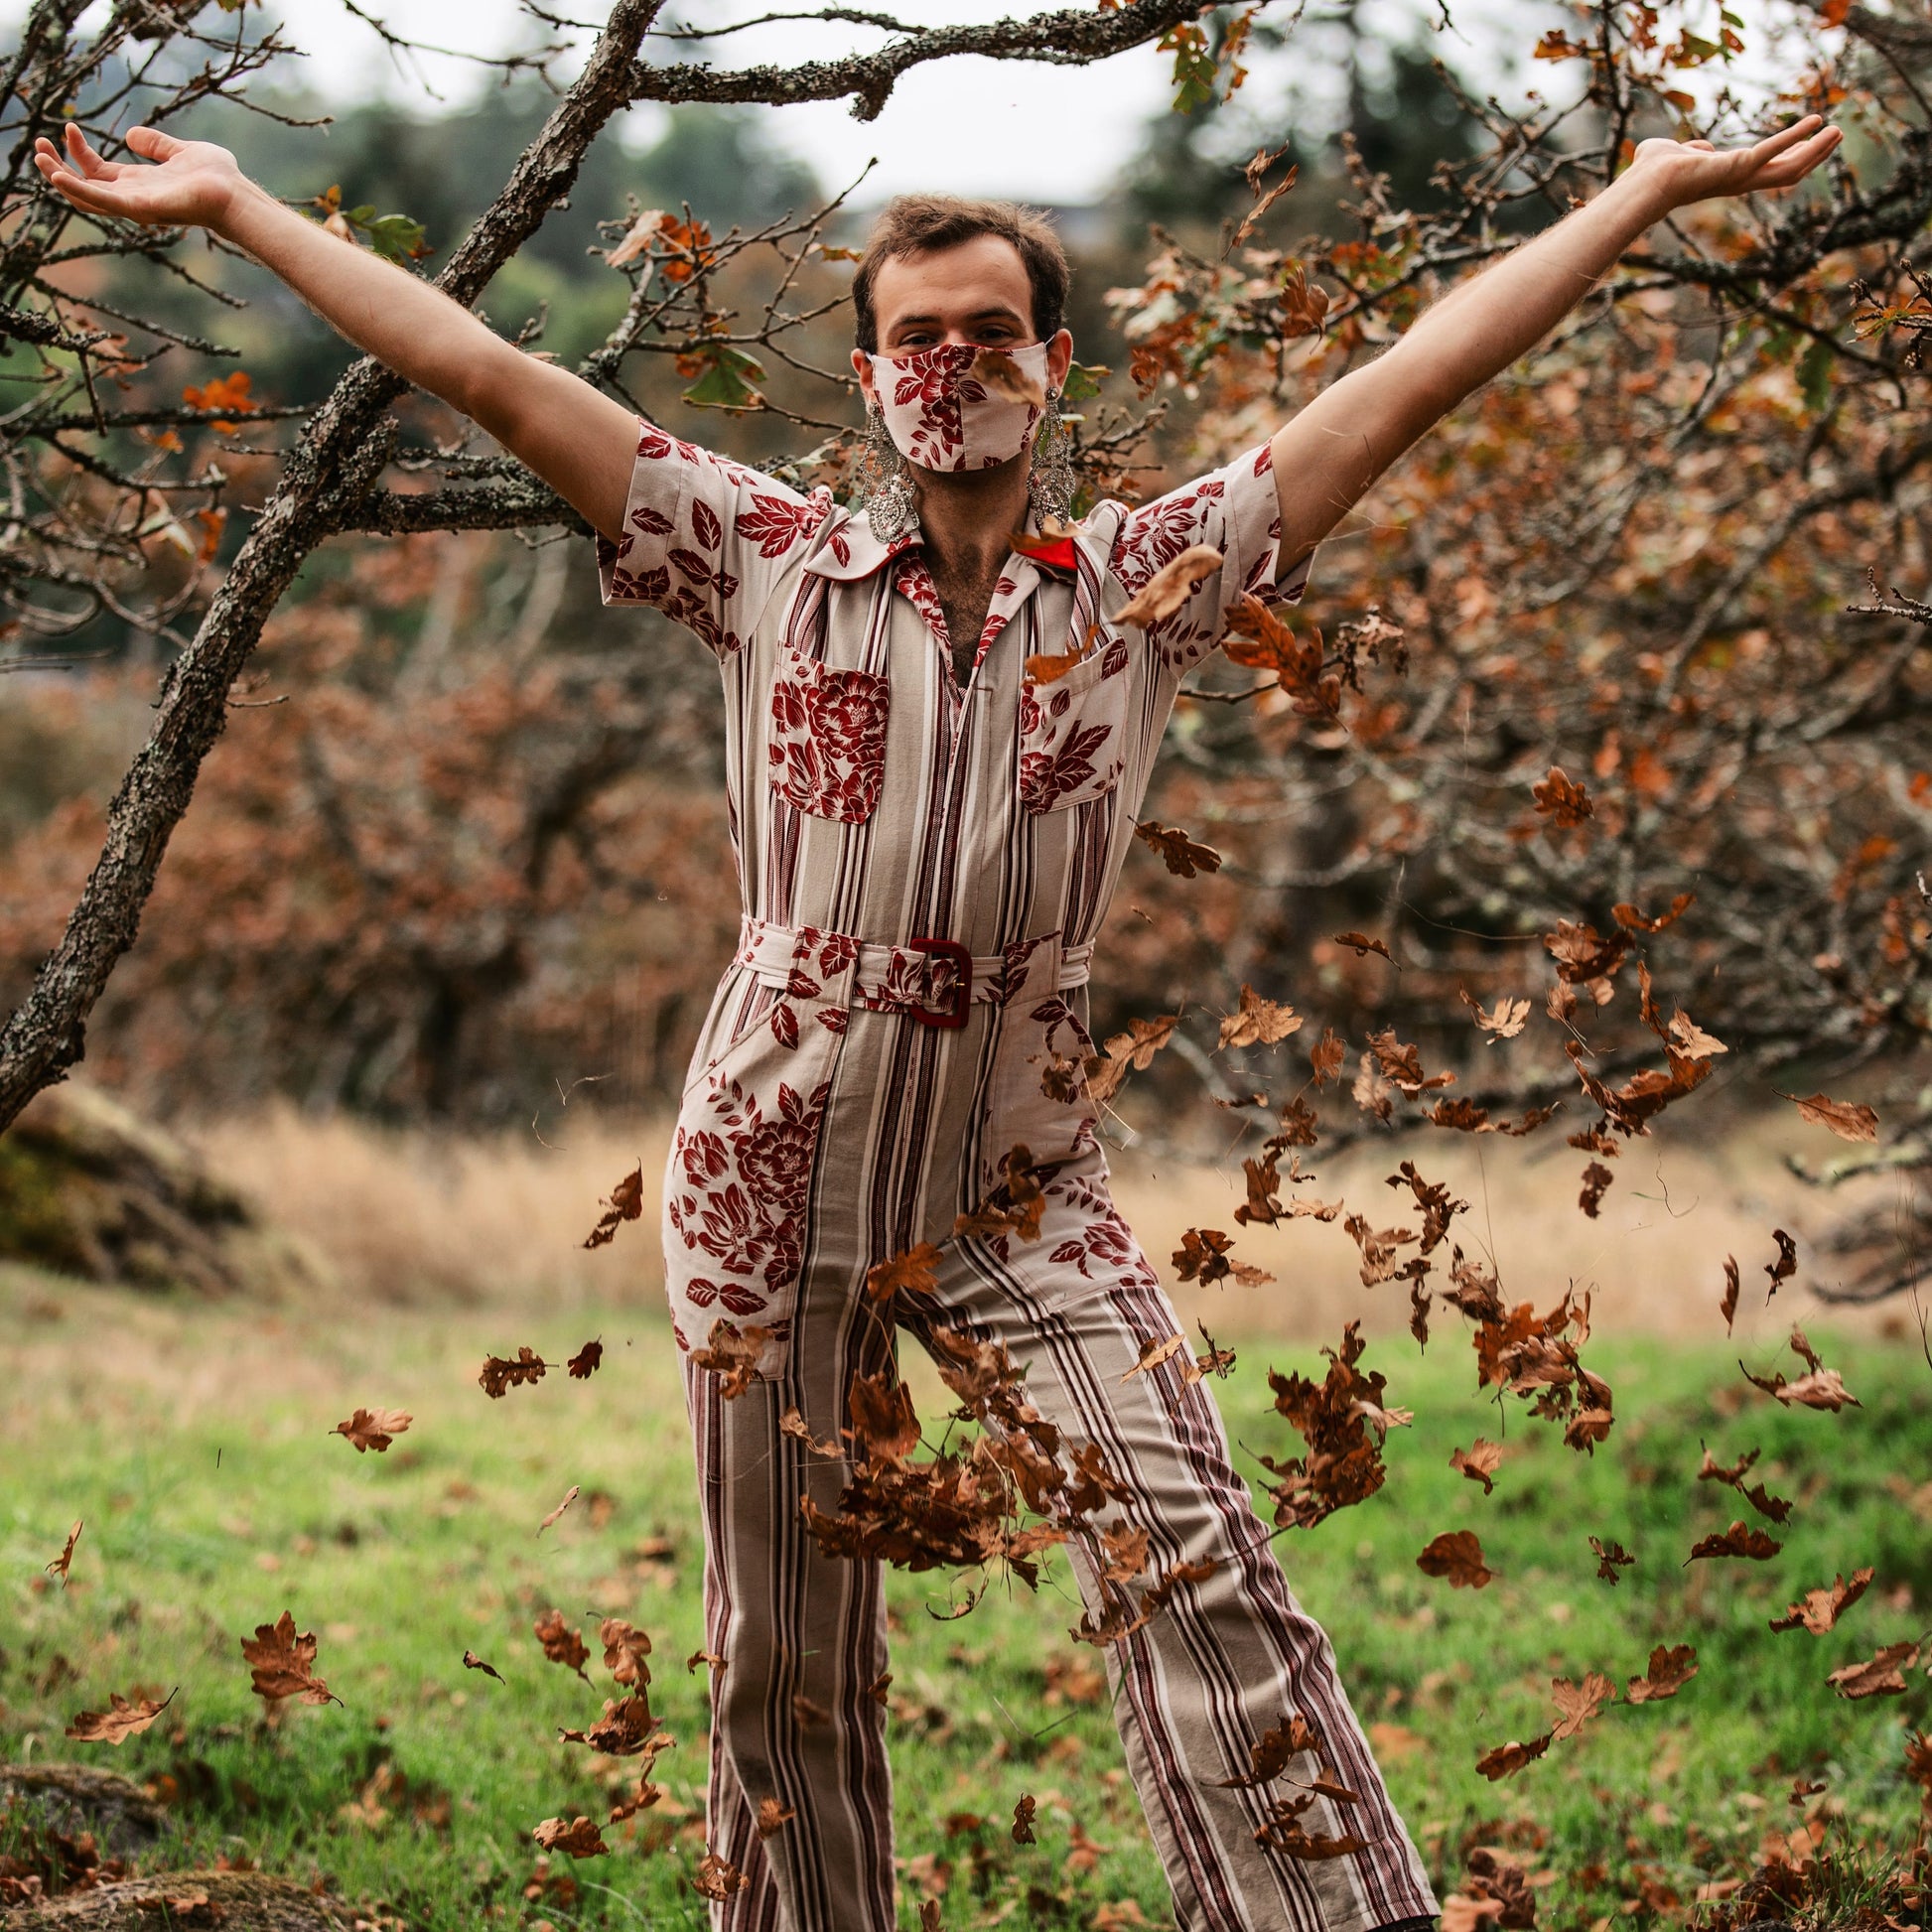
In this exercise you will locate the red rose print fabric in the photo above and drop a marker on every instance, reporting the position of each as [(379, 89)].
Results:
[(942, 415), (827, 747)]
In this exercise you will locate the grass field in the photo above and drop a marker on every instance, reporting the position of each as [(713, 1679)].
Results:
[(192, 1439)]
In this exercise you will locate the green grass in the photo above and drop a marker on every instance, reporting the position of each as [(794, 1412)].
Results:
[(193, 1440)]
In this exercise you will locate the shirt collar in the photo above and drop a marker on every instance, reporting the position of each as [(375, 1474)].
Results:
[(845, 550)]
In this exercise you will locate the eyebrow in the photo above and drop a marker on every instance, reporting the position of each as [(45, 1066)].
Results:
[(998, 311)]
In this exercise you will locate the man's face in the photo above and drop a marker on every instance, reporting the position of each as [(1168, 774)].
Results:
[(975, 293)]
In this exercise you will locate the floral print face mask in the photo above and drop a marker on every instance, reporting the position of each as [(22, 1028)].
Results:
[(945, 411)]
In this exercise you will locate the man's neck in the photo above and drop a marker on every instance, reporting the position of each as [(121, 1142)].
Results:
[(968, 519)]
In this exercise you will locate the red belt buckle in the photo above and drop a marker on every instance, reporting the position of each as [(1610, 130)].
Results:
[(948, 1018)]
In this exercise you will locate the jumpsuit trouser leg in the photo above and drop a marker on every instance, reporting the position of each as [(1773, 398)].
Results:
[(1226, 1659)]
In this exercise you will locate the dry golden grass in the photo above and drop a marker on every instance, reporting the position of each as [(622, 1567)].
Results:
[(410, 1218)]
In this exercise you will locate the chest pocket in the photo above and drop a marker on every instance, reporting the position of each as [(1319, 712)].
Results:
[(828, 737), (1074, 731)]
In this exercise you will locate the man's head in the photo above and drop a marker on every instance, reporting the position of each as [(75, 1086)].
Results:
[(940, 269)]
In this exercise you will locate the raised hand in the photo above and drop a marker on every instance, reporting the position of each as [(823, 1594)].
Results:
[(178, 183), (1683, 172)]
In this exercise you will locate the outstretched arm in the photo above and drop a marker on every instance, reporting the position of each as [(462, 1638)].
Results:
[(581, 442), (1330, 454)]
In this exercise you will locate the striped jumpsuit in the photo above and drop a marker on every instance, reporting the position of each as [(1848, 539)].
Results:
[(923, 870)]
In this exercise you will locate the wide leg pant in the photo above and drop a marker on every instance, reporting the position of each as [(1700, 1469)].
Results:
[(803, 1635)]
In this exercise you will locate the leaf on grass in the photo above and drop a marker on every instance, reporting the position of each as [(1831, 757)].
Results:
[(374, 1428), (1671, 1667), (586, 1362), (1739, 1540), (500, 1374), (1850, 1120), (1022, 1819), (1558, 800), (1610, 1557), (1259, 1023), (1170, 586), (1480, 1463), (1577, 1704), (1819, 1609), (65, 1561), (1182, 855), (561, 1644), (123, 1717), (915, 1271), (283, 1664), (471, 1661), (581, 1837), (1507, 1759), (1455, 1555), (575, 1490), (1879, 1676), (627, 1203)]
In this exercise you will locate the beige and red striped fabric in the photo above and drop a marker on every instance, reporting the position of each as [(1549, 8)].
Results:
[(923, 870)]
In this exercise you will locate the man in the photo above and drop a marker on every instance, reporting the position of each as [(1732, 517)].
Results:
[(928, 823)]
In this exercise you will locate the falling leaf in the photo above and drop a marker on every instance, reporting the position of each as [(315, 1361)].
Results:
[(585, 1363), (997, 372), (1577, 1704), (1822, 1388), (1204, 1256), (1627, 915), (1850, 1120), (559, 1510), (1558, 800), (1458, 1556), (1728, 1308), (1022, 1819), (1180, 853), (1786, 1264), (1169, 587), (1741, 1540), (1597, 1183), (772, 1814), (1507, 1759), (915, 1271), (627, 1203), (626, 1729), (1504, 1020), (1480, 1463), (1154, 1354), (1343, 1464), (1819, 1609), (625, 1649), (1325, 1057), (1277, 1748), (374, 1428), (283, 1664), (65, 1561), (561, 1644), (581, 1837), (471, 1661), (500, 1375), (716, 1879), (1610, 1557), (637, 238), (123, 1718), (732, 1354), (1879, 1676), (1363, 945), (1259, 1023), (1671, 1667)]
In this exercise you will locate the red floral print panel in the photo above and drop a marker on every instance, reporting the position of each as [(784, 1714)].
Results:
[(828, 737)]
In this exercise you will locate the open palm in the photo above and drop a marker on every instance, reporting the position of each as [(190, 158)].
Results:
[(1699, 171), (178, 181)]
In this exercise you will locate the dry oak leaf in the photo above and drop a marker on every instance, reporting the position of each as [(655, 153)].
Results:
[(1017, 1201), (1850, 1120), (1671, 1667), (122, 1718), (1259, 1023), (65, 1561), (1728, 1308), (585, 1363), (732, 1354), (1822, 1388), (1400, 1063), (1277, 1748), (1559, 799), (626, 1729), (374, 1428), (1204, 1256), (771, 1813), (581, 1837), (915, 1269), (499, 1374), (627, 1203), (1325, 1057), (1504, 1020), (1507, 1759), (1170, 586), (1022, 1819), (283, 1664), (561, 1644), (625, 1649), (1627, 915), (1463, 1913), (1458, 1556), (1879, 1676), (1363, 945), (1741, 1540), (716, 1879), (1134, 1049), (1154, 1353), (1918, 1762), (1182, 855), (1610, 1557), (575, 1490), (637, 238), (1480, 1463), (471, 1661), (1819, 1609), (1577, 1704), (1786, 1264)]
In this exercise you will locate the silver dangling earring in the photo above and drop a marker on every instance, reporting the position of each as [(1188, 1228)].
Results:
[(882, 491), (1049, 475)]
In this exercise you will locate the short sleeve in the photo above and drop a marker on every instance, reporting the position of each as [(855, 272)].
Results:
[(704, 541), (1233, 509)]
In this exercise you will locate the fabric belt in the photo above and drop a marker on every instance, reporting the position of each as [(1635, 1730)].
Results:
[(935, 981)]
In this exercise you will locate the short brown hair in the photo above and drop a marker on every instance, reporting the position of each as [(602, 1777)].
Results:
[(923, 224)]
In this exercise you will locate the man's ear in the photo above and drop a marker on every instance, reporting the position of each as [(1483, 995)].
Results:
[(861, 369), (1059, 355)]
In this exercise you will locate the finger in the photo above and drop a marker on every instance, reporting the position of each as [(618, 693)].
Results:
[(1787, 137), (153, 144), (84, 158)]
